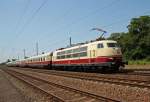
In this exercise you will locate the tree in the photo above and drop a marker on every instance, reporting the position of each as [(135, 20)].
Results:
[(139, 30), (136, 42)]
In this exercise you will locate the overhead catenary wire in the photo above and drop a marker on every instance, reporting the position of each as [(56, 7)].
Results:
[(32, 17), (20, 19), (88, 15), (105, 26), (56, 43), (123, 19), (44, 2), (93, 12), (22, 16)]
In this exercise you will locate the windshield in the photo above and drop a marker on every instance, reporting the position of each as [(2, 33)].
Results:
[(112, 45)]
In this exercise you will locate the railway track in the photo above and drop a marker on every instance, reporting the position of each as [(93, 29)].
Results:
[(132, 80), (139, 73), (59, 92), (135, 72)]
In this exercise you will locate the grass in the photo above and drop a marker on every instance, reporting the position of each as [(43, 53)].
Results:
[(139, 62)]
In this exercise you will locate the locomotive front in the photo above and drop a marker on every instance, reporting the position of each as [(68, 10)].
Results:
[(109, 53)]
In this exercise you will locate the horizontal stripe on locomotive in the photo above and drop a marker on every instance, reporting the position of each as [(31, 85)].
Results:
[(87, 61), (81, 61)]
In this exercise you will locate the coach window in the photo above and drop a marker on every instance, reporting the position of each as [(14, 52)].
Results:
[(69, 51), (83, 48), (68, 56), (100, 45), (83, 54), (58, 57), (58, 53), (76, 55), (76, 50), (63, 57), (63, 52)]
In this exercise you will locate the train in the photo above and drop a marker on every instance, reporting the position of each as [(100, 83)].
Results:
[(95, 55)]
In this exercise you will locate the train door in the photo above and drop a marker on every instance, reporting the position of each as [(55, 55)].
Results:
[(92, 54), (50, 60)]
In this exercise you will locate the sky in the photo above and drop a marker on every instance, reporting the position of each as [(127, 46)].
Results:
[(50, 23)]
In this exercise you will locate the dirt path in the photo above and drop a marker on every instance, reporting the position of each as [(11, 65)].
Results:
[(8, 93)]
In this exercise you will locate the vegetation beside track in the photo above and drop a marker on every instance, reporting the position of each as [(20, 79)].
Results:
[(138, 67), (139, 62), (135, 43)]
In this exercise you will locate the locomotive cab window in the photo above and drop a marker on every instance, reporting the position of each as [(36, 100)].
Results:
[(100, 45), (112, 45)]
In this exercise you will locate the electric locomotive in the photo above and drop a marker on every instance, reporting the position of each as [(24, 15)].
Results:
[(104, 54)]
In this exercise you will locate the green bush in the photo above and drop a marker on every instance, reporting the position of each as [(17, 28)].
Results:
[(139, 62)]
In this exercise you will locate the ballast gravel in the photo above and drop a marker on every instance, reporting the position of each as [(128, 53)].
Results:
[(118, 92)]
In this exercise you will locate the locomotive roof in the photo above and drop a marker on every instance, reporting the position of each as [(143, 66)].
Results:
[(84, 44)]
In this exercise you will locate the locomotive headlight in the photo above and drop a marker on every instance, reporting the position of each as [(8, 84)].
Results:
[(111, 58), (113, 63)]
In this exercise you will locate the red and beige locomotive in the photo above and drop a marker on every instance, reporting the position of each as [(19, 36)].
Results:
[(104, 54)]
